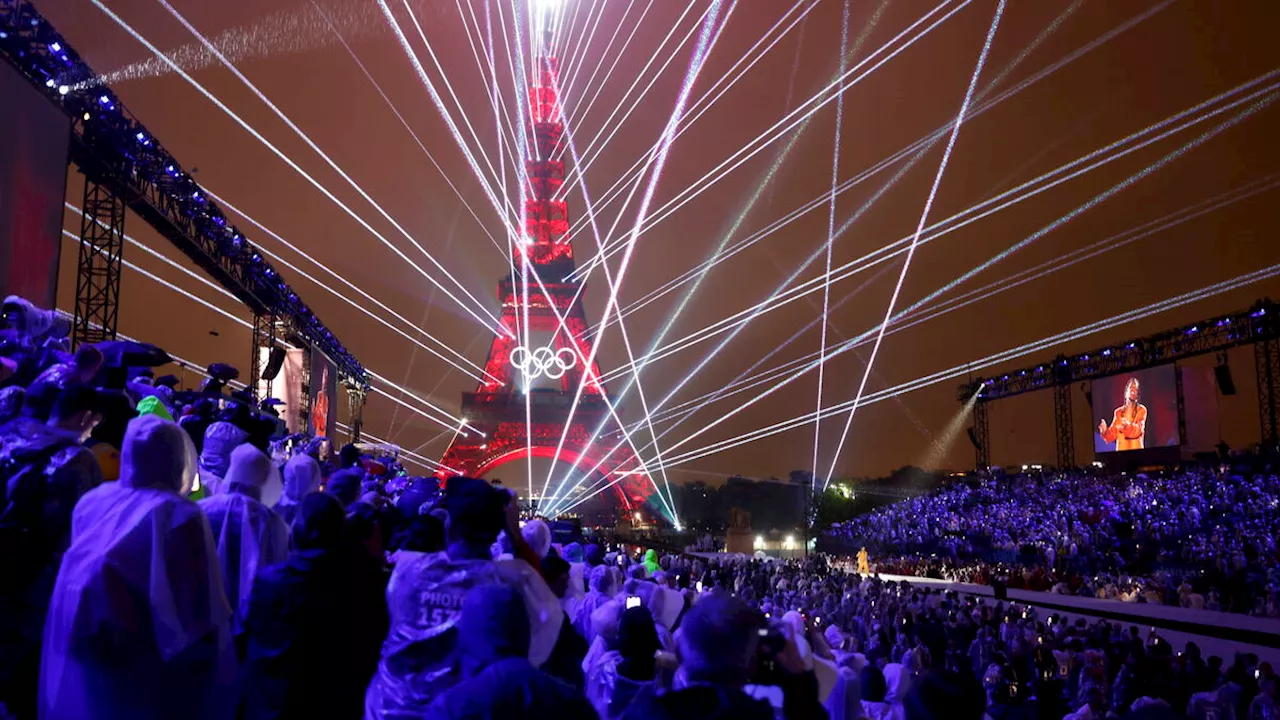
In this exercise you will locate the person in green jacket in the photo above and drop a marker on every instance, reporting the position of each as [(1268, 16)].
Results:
[(651, 561)]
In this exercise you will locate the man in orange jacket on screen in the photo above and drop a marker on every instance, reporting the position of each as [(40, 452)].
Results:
[(1129, 422)]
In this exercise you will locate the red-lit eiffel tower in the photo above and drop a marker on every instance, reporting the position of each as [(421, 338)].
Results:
[(498, 407)]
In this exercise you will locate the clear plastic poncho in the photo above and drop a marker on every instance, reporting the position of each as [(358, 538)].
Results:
[(301, 478), (220, 439), (138, 623), (249, 535), (424, 598)]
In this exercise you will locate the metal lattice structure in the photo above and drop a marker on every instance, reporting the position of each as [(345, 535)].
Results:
[(123, 161), (1258, 325), (355, 411), (1267, 361), (98, 276), (507, 429), (1062, 426), (982, 435), (304, 397)]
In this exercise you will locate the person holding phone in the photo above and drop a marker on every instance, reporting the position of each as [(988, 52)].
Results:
[(719, 645)]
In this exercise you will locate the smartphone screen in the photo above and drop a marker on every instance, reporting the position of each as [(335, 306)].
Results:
[(699, 586), (633, 601)]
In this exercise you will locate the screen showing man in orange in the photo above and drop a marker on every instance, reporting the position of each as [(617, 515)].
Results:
[(320, 406), (1128, 428)]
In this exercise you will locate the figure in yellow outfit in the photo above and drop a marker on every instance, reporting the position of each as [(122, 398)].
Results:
[(1128, 427), (864, 562)]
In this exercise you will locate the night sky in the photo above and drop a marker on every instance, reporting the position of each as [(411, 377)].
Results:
[(1156, 59)]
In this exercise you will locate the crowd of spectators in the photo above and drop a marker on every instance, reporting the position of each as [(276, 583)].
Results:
[(173, 554), (892, 650), (1195, 538), (214, 567)]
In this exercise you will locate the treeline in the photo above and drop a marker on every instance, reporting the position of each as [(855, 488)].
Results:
[(781, 504)]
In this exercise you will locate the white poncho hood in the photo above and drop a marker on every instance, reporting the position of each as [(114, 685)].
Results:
[(139, 588), (249, 535)]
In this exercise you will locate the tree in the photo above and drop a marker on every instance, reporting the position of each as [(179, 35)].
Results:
[(833, 505)]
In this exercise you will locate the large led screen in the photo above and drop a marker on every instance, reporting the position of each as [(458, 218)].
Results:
[(324, 395), (34, 137), (1136, 410)]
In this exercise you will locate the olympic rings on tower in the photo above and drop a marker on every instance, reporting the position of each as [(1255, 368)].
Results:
[(543, 362)]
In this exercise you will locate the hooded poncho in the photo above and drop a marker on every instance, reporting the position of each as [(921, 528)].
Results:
[(249, 535), (425, 599), (138, 621), (651, 561), (301, 478), (219, 440)]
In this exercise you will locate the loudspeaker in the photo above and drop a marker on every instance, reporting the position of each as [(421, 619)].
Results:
[(274, 362), (973, 438), (1000, 590), (1226, 385)]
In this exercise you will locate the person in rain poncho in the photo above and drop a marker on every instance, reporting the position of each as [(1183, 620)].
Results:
[(845, 701), (139, 625), (498, 681), (215, 459), (651, 561), (250, 536), (301, 478), (603, 588), (47, 471), (425, 597), (572, 553), (538, 535), (874, 689), (565, 662), (628, 668)]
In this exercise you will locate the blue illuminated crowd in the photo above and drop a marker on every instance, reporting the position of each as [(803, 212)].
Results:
[(174, 554), (1195, 538)]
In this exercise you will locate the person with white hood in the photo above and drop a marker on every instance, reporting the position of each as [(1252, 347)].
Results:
[(220, 440), (538, 534), (138, 624), (302, 477), (603, 588), (250, 536)]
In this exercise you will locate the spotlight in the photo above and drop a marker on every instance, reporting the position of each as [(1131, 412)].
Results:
[(63, 89), (86, 117)]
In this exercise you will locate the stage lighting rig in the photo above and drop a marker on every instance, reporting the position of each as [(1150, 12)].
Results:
[(114, 149)]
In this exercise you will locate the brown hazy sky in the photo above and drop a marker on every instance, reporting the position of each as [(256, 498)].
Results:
[(1181, 53)]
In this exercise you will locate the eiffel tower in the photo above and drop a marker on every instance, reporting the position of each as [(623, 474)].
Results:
[(498, 408)]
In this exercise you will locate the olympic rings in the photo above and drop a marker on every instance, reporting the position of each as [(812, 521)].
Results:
[(543, 362)]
